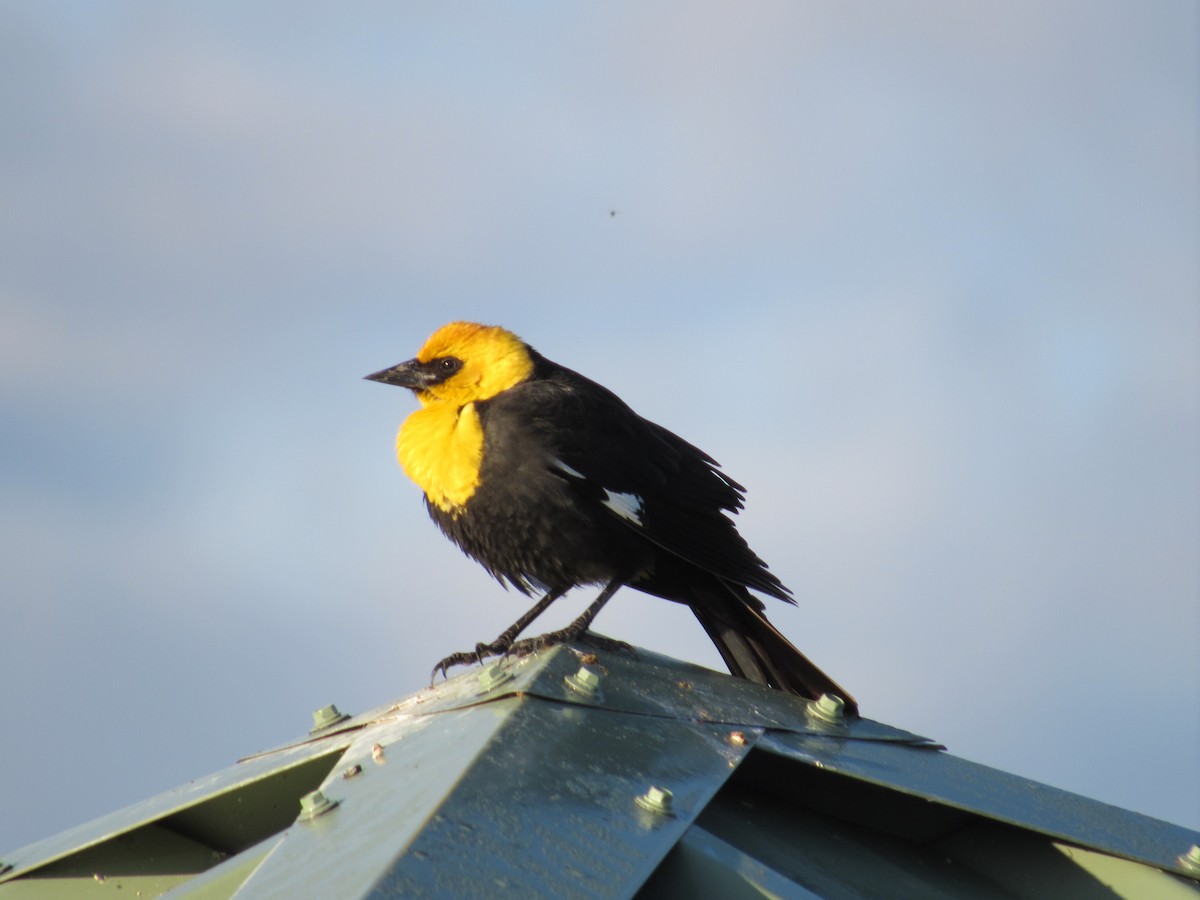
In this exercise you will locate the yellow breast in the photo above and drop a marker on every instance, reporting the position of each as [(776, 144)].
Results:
[(440, 447)]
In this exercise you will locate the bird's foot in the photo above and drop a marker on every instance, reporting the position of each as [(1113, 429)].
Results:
[(541, 642), (566, 635), (469, 657), (610, 645)]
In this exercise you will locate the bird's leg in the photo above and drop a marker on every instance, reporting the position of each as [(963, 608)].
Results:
[(572, 631), (502, 643)]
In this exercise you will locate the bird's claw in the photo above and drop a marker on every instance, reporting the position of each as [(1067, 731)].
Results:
[(543, 642), (467, 658), (610, 645), (525, 647), (531, 645)]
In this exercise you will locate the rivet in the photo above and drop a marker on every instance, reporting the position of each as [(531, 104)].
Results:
[(352, 771), (494, 676), (738, 738), (585, 682), (377, 754), (829, 708), (315, 804), (656, 800), (1191, 859), (327, 716)]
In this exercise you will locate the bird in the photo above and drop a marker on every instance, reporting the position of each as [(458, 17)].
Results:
[(550, 481)]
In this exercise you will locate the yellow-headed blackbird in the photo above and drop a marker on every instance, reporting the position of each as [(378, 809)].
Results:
[(550, 481)]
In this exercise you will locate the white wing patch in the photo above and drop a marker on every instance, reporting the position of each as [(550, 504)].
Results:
[(563, 467), (627, 506)]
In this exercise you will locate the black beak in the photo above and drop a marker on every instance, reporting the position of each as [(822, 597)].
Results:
[(409, 374)]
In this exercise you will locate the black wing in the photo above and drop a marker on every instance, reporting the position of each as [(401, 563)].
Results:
[(652, 480)]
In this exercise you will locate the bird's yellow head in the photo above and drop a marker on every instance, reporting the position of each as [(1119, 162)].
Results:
[(440, 445), (463, 363)]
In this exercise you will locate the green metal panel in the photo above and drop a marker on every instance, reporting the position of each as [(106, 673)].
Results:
[(1031, 865), (632, 774), (703, 865), (960, 784), (653, 685), (150, 860), (168, 839), (222, 881), (555, 812), (517, 796)]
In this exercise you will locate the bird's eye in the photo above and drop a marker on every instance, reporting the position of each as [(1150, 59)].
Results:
[(448, 365)]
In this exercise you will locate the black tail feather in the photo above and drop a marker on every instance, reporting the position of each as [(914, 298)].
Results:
[(754, 649)]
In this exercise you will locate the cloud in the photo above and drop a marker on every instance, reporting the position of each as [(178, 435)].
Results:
[(923, 281)]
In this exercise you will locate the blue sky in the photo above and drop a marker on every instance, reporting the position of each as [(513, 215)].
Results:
[(923, 276)]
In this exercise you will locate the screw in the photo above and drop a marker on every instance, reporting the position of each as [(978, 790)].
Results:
[(377, 754), (352, 771), (325, 717), (656, 800), (585, 682), (493, 676), (738, 738), (315, 804), (1191, 859), (830, 709)]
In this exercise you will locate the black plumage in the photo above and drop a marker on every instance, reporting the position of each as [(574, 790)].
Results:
[(571, 487)]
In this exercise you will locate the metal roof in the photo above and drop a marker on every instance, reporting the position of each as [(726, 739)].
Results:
[(581, 773)]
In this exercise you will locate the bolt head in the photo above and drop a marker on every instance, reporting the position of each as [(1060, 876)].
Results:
[(656, 800), (493, 676), (828, 708), (1191, 859), (327, 716), (315, 804), (585, 682)]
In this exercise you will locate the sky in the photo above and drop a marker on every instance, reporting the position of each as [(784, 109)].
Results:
[(923, 276)]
